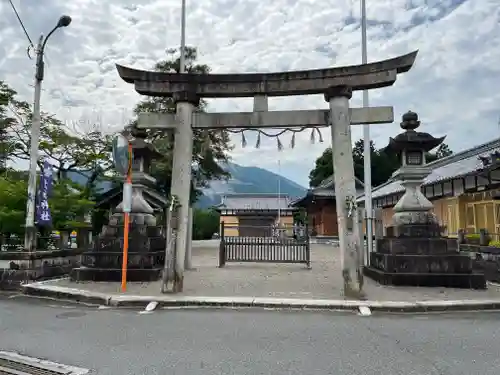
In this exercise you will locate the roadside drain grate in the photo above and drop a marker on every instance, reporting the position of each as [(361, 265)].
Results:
[(10, 367), (14, 364)]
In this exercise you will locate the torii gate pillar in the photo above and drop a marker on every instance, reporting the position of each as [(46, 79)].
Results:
[(351, 255), (181, 178)]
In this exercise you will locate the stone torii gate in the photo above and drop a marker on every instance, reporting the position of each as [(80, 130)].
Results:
[(336, 84)]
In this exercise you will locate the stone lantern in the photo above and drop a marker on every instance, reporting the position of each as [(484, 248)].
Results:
[(412, 213), (146, 253), (414, 251), (143, 155)]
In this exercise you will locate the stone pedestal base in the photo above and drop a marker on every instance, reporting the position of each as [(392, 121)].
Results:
[(424, 264), (447, 280), (146, 255), (419, 257)]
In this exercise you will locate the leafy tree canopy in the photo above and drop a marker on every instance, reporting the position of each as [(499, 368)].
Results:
[(68, 205), (205, 224), (68, 150), (6, 122), (12, 204)]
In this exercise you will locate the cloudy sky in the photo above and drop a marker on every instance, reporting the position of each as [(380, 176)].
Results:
[(453, 85)]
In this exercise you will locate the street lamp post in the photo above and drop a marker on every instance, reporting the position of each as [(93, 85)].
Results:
[(30, 231)]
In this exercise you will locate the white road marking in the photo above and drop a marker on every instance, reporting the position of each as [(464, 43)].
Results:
[(151, 306), (364, 311)]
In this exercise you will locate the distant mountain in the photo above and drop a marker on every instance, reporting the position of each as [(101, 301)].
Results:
[(249, 180)]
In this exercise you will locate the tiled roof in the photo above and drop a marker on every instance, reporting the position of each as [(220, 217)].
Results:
[(456, 165), (323, 192), (325, 189), (329, 183), (255, 202)]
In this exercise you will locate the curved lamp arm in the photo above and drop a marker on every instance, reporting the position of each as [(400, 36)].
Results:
[(64, 21)]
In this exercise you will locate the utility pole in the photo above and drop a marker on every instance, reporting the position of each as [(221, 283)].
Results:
[(30, 230), (181, 166), (279, 191), (188, 264), (367, 147), (182, 68)]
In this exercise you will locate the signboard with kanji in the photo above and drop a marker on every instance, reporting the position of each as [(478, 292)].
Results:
[(43, 216)]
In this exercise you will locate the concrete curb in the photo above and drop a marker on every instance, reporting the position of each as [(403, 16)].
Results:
[(131, 301), (69, 294)]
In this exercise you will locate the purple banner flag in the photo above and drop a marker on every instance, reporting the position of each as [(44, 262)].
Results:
[(43, 216)]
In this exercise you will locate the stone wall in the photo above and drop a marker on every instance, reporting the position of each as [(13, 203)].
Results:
[(17, 267), (485, 259)]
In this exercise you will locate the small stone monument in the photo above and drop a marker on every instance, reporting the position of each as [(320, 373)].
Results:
[(414, 251), (146, 255)]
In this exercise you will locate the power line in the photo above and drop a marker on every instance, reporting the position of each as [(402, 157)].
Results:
[(32, 45), (21, 23), (58, 86)]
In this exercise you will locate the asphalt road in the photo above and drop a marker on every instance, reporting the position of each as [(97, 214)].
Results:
[(250, 342)]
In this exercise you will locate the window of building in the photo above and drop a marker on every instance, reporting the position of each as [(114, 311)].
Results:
[(469, 218)]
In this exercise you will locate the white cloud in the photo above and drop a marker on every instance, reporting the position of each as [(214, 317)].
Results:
[(453, 85)]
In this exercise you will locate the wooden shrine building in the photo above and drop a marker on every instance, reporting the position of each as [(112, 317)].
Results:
[(253, 215), (319, 204)]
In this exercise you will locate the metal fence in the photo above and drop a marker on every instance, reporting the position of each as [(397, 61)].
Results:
[(273, 245), (9, 243), (16, 243)]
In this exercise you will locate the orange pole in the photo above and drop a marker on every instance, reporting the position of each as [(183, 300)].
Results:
[(125, 252), (126, 225)]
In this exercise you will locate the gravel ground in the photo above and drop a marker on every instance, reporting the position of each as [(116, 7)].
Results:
[(323, 281)]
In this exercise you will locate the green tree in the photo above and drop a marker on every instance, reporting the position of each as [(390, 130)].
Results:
[(442, 151), (383, 164), (69, 205), (205, 224), (323, 168), (6, 122), (209, 147), (68, 149), (12, 205), (300, 216)]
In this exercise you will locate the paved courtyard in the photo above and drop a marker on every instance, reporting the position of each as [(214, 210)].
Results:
[(322, 281)]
